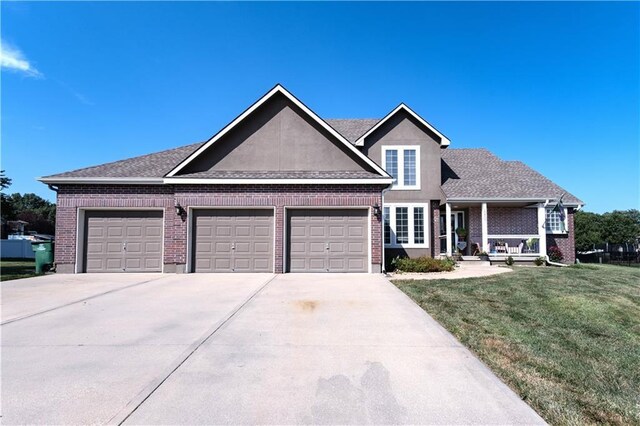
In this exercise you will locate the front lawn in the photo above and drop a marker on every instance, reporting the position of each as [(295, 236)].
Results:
[(566, 339), (12, 269)]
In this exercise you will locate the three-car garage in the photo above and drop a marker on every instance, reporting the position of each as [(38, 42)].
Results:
[(229, 239)]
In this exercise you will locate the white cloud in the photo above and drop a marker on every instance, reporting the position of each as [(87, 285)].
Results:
[(12, 59)]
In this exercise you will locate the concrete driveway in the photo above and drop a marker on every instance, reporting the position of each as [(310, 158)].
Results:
[(235, 348)]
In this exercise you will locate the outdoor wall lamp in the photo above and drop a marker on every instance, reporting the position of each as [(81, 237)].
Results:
[(180, 210), (377, 211)]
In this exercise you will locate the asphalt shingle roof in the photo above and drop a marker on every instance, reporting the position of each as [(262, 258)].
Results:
[(157, 164), (477, 173), (352, 128), (466, 173)]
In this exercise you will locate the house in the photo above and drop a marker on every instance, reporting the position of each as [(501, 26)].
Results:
[(279, 189)]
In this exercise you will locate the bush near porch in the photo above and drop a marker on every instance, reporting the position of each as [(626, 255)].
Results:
[(422, 264), (566, 339)]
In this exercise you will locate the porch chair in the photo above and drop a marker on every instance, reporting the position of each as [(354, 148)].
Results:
[(515, 250)]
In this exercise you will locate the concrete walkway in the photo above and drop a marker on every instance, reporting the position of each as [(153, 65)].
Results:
[(464, 270), (245, 349)]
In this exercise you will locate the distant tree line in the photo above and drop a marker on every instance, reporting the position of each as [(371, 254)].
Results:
[(38, 212), (616, 227)]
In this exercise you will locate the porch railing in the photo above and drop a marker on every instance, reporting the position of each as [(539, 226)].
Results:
[(514, 245)]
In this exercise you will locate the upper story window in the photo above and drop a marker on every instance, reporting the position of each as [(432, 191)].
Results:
[(403, 164), (556, 221)]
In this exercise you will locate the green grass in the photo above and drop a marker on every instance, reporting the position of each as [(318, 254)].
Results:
[(566, 339), (12, 269)]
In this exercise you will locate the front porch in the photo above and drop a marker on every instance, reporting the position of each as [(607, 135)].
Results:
[(500, 229)]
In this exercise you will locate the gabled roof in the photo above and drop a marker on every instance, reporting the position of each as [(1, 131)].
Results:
[(444, 141), (477, 174), (352, 128), (278, 89)]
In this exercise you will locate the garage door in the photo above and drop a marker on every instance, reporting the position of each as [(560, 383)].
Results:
[(123, 241), (328, 241), (228, 240)]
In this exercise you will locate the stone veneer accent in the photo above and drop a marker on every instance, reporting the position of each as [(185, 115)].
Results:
[(72, 197)]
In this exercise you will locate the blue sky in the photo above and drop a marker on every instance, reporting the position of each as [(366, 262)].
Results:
[(556, 85)]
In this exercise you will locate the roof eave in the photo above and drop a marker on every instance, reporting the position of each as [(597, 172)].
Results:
[(444, 141), (511, 200), (52, 180)]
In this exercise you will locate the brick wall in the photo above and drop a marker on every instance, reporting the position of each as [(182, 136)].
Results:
[(72, 197), (512, 220), (565, 242)]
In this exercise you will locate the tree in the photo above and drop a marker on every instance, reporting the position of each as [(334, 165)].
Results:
[(7, 211), (621, 226), (38, 212), (614, 227), (588, 230)]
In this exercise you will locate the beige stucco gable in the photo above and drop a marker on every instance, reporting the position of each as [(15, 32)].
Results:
[(277, 136)]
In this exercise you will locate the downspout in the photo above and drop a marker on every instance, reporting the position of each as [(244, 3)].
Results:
[(384, 191), (53, 187)]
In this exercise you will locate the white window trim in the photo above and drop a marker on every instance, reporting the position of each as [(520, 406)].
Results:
[(399, 185), (410, 217), (566, 222)]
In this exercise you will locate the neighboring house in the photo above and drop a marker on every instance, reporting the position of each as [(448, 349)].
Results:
[(16, 228), (281, 190)]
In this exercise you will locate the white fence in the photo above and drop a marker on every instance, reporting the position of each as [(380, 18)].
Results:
[(16, 249)]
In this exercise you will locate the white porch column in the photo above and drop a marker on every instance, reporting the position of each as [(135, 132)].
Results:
[(485, 229), (447, 209), (542, 231)]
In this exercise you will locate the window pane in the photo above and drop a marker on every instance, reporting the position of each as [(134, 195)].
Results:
[(410, 167), (387, 225), (418, 225), (402, 225), (554, 221), (391, 163)]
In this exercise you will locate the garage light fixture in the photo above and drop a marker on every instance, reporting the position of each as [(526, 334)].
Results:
[(376, 210), (180, 210)]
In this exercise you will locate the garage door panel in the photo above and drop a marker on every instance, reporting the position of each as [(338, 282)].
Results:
[(356, 247), (123, 241), (242, 240), (315, 247), (223, 264), (262, 248), (343, 231)]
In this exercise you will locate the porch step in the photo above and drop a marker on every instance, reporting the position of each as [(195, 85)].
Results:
[(471, 258), (475, 260)]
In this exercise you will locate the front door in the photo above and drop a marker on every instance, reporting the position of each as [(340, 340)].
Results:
[(457, 221)]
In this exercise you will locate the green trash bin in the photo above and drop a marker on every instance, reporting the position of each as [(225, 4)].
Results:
[(44, 255)]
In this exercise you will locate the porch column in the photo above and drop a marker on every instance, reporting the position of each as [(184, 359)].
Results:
[(447, 209), (542, 231), (485, 229)]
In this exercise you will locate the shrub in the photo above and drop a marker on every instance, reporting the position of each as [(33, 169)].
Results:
[(555, 255), (510, 260), (539, 261), (423, 264)]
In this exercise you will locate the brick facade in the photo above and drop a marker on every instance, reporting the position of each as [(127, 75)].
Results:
[(73, 197), (565, 242)]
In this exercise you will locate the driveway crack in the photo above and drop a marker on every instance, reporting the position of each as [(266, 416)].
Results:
[(135, 403)]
